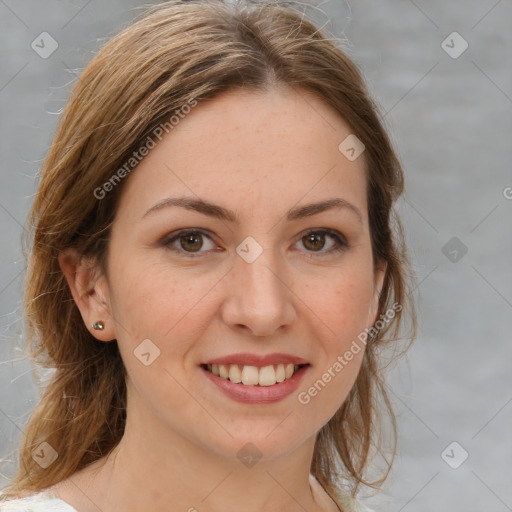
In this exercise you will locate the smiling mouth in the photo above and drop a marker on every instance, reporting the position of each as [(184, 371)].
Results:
[(254, 375)]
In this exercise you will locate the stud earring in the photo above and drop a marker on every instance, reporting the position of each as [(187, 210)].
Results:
[(99, 326)]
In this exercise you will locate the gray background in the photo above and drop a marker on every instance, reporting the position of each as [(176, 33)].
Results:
[(451, 121)]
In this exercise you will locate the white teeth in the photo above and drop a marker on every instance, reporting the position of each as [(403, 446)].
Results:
[(280, 373), (250, 375), (253, 375), (223, 371), (267, 376), (235, 375)]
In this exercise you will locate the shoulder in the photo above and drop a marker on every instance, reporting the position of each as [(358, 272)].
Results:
[(342, 501), (349, 504), (38, 502)]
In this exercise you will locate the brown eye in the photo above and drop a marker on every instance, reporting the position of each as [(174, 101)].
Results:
[(191, 242), (315, 241)]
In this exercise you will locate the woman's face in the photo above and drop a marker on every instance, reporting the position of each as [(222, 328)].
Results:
[(270, 280)]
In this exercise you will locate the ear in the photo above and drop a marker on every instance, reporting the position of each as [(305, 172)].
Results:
[(89, 288), (378, 282)]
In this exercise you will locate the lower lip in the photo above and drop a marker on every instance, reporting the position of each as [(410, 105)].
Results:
[(258, 394)]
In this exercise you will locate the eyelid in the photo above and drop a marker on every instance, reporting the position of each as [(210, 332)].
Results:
[(176, 235), (341, 243), (340, 239)]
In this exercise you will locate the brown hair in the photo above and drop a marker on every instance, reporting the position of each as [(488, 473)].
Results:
[(178, 52)]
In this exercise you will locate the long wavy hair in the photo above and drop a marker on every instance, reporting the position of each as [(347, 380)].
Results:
[(175, 53)]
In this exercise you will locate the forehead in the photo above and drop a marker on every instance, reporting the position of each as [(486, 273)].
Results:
[(247, 149)]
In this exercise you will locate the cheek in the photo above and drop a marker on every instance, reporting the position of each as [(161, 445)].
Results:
[(341, 302), (158, 303), (164, 307)]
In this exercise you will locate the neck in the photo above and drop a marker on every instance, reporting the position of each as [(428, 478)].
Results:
[(164, 471)]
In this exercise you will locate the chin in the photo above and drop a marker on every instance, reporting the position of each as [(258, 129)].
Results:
[(265, 442)]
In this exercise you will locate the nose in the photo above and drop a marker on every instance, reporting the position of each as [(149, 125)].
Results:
[(259, 298)]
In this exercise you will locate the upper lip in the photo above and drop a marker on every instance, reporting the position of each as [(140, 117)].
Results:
[(246, 359)]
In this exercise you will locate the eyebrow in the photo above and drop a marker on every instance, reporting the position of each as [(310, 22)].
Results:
[(218, 212)]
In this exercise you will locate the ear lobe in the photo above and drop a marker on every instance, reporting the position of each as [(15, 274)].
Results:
[(380, 274), (89, 289)]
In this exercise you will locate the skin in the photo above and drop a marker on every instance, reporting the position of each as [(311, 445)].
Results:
[(258, 154)]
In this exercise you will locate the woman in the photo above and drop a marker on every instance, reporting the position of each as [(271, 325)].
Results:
[(213, 274)]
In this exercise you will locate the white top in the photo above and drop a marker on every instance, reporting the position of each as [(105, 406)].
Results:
[(44, 501), (39, 502)]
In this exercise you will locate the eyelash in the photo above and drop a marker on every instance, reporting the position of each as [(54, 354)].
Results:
[(340, 241)]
